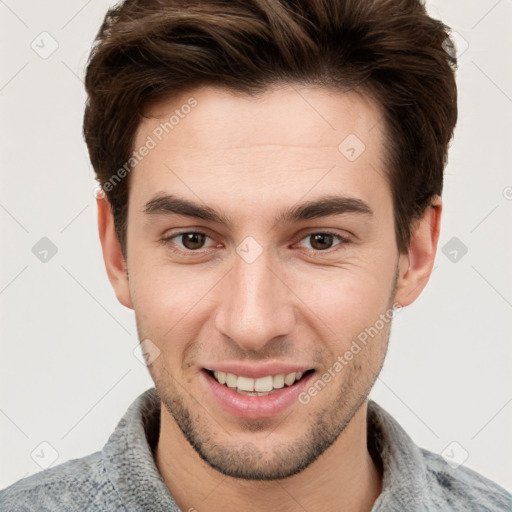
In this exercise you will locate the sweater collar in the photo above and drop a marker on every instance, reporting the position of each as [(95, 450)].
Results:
[(129, 459)]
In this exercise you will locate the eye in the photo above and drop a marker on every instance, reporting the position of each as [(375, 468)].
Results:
[(189, 240), (322, 241)]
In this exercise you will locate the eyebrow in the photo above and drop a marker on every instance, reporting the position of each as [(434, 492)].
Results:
[(168, 204)]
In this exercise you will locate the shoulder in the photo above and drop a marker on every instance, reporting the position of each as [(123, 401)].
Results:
[(462, 488), (415, 478), (76, 485)]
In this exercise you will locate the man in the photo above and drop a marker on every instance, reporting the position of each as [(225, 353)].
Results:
[(271, 175)]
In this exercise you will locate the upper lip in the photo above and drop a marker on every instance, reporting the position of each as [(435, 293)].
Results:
[(257, 371)]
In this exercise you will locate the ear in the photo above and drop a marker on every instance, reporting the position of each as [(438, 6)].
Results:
[(112, 254), (415, 266)]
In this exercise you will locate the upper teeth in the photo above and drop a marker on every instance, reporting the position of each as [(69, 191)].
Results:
[(260, 385)]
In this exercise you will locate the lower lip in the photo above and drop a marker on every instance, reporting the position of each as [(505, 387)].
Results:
[(246, 406)]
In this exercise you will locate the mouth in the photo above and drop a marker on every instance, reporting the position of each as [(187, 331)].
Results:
[(257, 393), (261, 386)]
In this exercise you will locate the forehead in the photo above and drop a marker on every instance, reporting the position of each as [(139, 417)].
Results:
[(312, 115), (280, 143)]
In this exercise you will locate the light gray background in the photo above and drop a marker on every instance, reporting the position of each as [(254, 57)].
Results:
[(68, 369)]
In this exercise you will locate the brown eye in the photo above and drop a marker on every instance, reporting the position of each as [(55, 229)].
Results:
[(321, 241), (193, 240), (189, 243)]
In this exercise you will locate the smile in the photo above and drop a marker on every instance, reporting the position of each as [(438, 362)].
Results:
[(257, 396), (261, 386)]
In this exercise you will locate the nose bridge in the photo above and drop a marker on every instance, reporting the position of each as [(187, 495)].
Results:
[(256, 307)]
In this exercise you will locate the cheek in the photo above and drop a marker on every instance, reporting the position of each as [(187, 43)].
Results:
[(346, 301), (166, 300)]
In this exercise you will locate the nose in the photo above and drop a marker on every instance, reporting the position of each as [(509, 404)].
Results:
[(257, 306)]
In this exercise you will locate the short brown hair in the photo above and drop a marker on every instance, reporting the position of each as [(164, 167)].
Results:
[(148, 50)]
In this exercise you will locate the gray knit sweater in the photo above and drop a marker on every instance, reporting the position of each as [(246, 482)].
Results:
[(123, 475)]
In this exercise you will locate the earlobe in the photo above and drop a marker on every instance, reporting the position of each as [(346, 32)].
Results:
[(415, 266), (115, 262)]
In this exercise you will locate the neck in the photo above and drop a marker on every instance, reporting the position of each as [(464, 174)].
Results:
[(345, 474)]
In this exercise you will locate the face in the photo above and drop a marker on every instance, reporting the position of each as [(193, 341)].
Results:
[(260, 245)]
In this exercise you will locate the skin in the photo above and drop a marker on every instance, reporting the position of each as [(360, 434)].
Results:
[(299, 301)]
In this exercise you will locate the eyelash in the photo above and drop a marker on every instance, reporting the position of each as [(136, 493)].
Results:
[(189, 252)]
